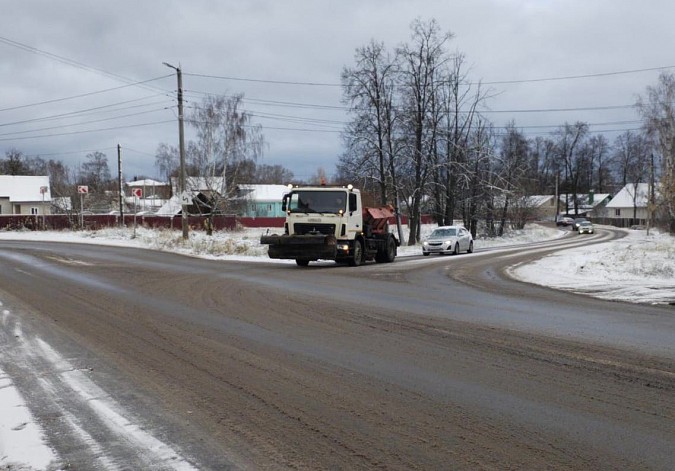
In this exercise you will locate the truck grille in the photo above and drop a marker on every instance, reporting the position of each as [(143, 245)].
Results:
[(304, 228)]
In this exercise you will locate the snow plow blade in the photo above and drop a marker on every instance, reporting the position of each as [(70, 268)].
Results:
[(309, 246)]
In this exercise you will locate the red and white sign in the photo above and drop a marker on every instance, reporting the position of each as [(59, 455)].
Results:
[(43, 190), (83, 189), (137, 192)]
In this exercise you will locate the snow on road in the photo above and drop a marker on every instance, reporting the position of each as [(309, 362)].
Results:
[(638, 268)]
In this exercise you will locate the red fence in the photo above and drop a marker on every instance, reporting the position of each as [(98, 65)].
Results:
[(99, 221)]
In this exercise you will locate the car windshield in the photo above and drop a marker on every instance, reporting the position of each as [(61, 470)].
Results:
[(585, 223), (317, 201), (440, 233)]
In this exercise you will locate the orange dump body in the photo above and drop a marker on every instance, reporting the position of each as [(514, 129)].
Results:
[(378, 218)]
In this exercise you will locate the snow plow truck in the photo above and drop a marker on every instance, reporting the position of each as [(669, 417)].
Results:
[(330, 223)]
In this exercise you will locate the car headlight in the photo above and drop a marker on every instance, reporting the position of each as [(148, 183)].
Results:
[(425, 243)]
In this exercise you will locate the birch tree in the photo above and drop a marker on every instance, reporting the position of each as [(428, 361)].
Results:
[(658, 111)]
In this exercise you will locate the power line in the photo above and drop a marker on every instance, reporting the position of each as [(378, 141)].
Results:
[(56, 100), (276, 82), (494, 82), (83, 112), (83, 124), (573, 77), (89, 130), (71, 62)]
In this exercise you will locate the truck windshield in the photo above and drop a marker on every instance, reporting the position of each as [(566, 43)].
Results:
[(317, 201)]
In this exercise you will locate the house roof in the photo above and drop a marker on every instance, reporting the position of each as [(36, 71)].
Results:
[(272, 193), (24, 189), (170, 207), (629, 197), (146, 182), (539, 200)]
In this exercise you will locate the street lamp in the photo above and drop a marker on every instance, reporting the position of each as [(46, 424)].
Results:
[(181, 147)]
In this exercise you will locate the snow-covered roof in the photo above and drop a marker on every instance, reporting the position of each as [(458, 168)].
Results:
[(631, 195), (539, 200), (146, 182), (598, 198), (272, 193), (170, 208), (22, 188)]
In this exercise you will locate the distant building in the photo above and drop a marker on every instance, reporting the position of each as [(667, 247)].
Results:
[(29, 195), (629, 206), (589, 205), (262, 200), (153, 195)]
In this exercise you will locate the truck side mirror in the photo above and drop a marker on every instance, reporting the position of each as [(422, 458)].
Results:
[(284, 203), (352, 202)]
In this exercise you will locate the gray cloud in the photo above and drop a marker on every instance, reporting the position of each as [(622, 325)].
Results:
[(305, 41)]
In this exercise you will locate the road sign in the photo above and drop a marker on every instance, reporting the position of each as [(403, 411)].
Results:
[(137, 192), (83, 189), (185, 198), (43, 190)]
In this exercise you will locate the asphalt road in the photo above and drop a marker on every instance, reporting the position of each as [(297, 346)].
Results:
[(426, 363)]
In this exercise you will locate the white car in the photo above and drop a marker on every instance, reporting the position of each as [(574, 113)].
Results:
[(448, 239)]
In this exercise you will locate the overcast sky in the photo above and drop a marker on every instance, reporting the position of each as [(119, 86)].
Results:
[(52, 50)]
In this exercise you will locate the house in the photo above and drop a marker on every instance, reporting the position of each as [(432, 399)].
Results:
[(20, 194), (629, 206), (543, 206), (147, 194), (262, 200)]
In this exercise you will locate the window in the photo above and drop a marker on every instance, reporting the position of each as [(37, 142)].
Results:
[(34, 211), (617, 212)]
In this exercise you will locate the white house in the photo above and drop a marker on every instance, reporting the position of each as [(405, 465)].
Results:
[(262, 200), (20, 194), (629, 206)]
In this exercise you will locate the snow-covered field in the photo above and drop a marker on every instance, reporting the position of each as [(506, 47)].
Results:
[(637, 268)]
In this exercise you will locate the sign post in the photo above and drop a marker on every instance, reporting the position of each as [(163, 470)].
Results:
[(43, 190), (138, 193), (82, 190)]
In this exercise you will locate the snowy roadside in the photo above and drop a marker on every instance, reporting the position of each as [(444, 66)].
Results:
[(639, 268)]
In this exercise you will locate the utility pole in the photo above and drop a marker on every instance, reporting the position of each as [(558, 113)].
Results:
[(181, 148), (119, 178)]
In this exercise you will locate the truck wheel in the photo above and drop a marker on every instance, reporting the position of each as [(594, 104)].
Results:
[(388, 253), (357, 259), (301, 262)]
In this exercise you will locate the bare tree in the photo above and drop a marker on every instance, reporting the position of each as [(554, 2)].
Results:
[(273, 174), (368, 90), (167, 160), (658, 111), (226, 142), (511, 168), (14, 163), (569, 140), (452, 171), (421, 64)]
